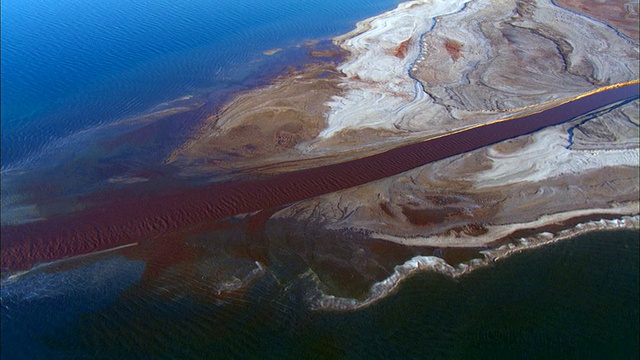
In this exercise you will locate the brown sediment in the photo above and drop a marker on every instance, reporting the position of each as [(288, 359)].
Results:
[(264, 125), (385, 207), (512, 145), (162, 254), (621, 14), (328, 53), (215, 259), (272, 51), (265, 122), (453, 48), (354, 138), (127, 219), (258, 241), (473, 229), (401, 50), (389, 250), (552, 228), (193, 244), (422, 217), (456, 256)]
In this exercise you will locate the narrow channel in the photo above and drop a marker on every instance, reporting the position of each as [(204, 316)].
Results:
[(129, 219)]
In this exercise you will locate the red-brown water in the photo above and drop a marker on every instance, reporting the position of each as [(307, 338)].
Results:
[(128, 218)]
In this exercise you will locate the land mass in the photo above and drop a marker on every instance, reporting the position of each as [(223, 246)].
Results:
[(462, 64), (421, 72), (430, 68)]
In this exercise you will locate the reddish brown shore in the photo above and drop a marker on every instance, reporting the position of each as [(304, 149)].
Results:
[(454, 49), (127, 219), (401, 50)]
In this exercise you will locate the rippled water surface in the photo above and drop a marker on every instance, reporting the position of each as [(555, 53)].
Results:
[(71, 65), (577, 298), (73, 71), (78, 77)]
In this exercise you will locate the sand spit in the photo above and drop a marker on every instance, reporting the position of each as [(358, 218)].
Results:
[(15, 275), (423, 69), (272, 51), (321, 301), (493, 233), (264, 125), (474, 198)]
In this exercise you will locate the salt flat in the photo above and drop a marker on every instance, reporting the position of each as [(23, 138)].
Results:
[(428, 68)]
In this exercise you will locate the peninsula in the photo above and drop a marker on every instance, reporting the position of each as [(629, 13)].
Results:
[(450, 133), (431, 68)]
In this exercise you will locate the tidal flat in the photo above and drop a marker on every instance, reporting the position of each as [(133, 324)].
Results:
[(332, 186)]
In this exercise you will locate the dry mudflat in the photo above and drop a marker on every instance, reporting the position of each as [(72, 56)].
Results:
[(428, 68)]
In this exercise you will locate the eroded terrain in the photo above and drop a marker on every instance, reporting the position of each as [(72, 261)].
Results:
[(424, 69), (463, 63), (621, 14), (428, 68)]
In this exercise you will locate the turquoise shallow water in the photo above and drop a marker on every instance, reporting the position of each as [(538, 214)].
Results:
[(574, 299)]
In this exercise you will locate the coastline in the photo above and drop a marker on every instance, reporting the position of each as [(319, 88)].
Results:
[(319, 301), (334, 198), (91, 228), (298, 140), (361, 210), (407, 94), (497, 232), (384, 97)]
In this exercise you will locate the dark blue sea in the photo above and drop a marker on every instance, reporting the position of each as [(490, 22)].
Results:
[(572, 300), (74, 73)]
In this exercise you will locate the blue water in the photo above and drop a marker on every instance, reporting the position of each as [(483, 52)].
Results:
[(574, 299), (72, 65), (69, 67)]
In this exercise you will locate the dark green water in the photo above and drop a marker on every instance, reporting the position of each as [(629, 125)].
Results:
[(575, 299)]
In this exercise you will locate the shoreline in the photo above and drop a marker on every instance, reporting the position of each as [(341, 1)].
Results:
[(219, 201), (318, 301), (150, 216), (10, 276), (495, 233), (308, 142), (291, 203)]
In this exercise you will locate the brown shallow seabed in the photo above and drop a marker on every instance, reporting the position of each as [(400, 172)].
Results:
[(268, 122), (127, 219)]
